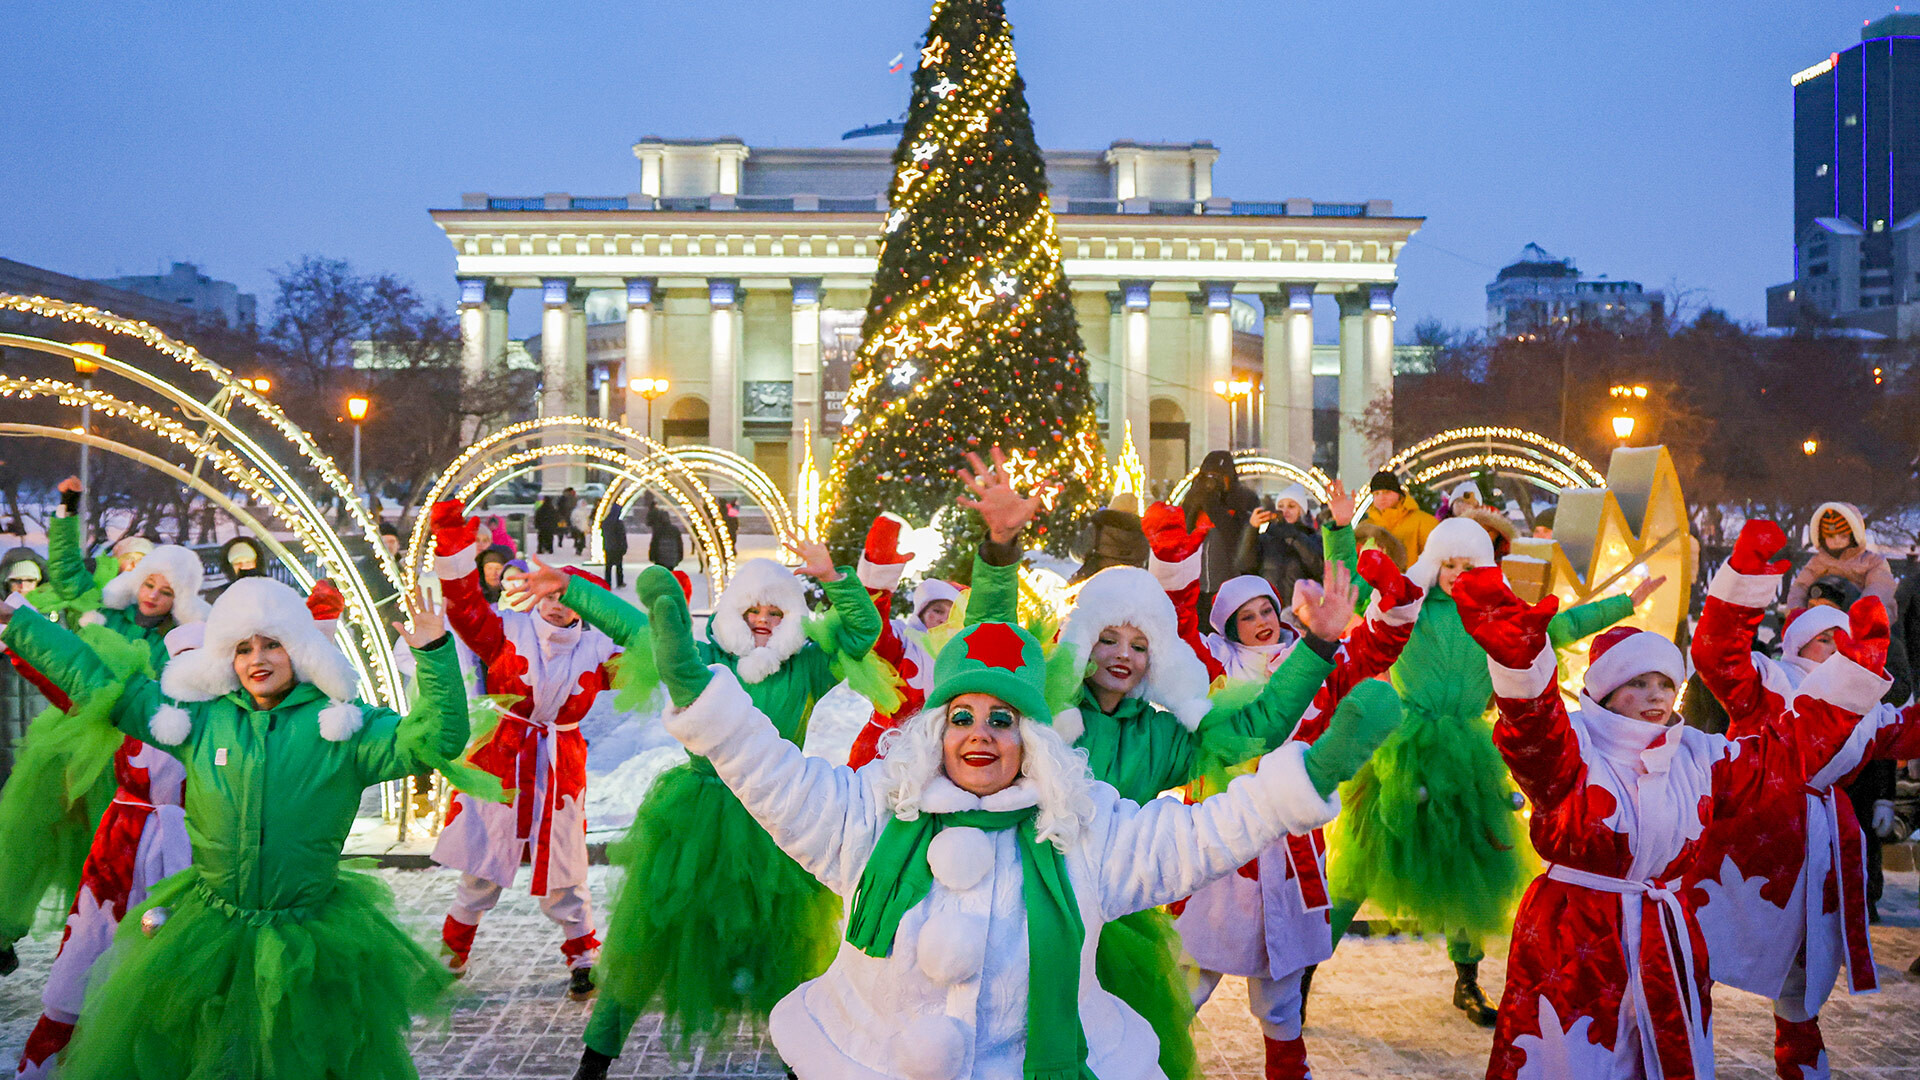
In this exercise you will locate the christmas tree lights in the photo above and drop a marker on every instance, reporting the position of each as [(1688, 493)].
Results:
[(970, 339)]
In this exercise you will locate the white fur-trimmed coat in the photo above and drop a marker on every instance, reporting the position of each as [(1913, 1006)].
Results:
[(950, 1002)]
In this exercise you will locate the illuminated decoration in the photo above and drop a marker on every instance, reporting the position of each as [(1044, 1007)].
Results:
[(934, 53), (1252, 464), (1815, 71), (603, 446), (969, 288), (235, 445), (809, 521), (1609, 538), (1130, 473), (1506, 453), (1045, 595)]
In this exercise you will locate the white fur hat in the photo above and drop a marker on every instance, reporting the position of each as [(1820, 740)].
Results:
[(1130, 596), (1454, 538), (1624, 653), (259, 605), (1296, 492), (1234, 594), (931, 590), (760, 581), (1807, 624), (180, 568)]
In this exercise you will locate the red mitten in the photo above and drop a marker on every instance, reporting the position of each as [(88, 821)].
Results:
[(1393, 588), (325, 602), (1867, 635), (1168, 535), (883, 542), (1759, 542), (1512, 632), (452, 532)]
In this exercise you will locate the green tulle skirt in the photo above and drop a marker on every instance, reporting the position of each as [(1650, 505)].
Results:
[(712, 923), (218, 994), (1428, 831), (1138, 961)]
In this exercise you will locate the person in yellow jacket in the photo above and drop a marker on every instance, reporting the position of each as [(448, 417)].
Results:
[(1396, 512)]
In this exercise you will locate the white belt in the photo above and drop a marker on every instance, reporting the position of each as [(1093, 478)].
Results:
[(1680, 959)]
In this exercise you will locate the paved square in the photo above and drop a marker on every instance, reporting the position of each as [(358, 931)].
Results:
[(1380, 1008)]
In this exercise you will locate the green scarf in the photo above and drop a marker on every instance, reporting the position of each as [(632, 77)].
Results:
[(897, 877)]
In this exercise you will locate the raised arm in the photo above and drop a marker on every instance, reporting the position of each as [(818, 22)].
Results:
[(1582, 621), (1337, 544), (1373, 646), (1165, 850), (1270, 719), (1722, 648), (66, 563), (456, 553), (824, 816), (612, 616), (1533, 734), (1174, 559), (995, 595)]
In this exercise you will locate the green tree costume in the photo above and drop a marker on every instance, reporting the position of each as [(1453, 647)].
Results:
[(712, 922), (1143, 750), (1429, 830), (271, 960)]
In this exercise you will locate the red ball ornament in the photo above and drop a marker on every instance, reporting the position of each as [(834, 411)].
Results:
[(925, 281)]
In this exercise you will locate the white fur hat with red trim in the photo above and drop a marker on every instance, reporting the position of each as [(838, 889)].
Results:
[(1176, 680), (259, 605), (1623, 654), (1809, 623)]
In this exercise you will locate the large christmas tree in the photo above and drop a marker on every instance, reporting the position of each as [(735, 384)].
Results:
[(970, 338)]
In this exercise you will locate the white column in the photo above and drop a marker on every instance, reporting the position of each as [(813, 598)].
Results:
[(556, 327), (806, 371), (1117, 374), (1288, 352), (476, 346), (1354, 466), (723, 410), (639, 349), (1136, 354), (1217, 433), (1379, 353)]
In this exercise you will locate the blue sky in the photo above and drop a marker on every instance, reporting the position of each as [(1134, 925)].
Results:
[(1649, 140)]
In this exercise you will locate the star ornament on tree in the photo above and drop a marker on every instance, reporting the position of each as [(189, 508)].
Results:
[(975, 298), (925, 151), (1005, 284), (944, 88), (934, 53), (997, 645)]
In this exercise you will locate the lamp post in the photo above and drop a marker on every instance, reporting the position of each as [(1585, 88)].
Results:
[(650, 389), (357, 412), (1625, 394), (1810, 447), (1623, 428), (1232, 392), (85, 369)]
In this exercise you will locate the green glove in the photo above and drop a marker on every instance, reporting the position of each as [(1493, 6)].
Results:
[(673, 653), (1362, 722)]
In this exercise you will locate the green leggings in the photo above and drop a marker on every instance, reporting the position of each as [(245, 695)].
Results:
[(1460, 948), (609, 1027)]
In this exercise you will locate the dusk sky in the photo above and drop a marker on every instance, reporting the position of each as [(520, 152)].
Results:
[(1649, 141)]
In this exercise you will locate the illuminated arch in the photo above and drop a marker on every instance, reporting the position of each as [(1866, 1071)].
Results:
[(207, 431), (605, 446), (1255, 464), (1464, 453), (751, 478)]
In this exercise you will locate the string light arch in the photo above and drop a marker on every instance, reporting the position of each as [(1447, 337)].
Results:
[(1466, 452), (1252, 463)]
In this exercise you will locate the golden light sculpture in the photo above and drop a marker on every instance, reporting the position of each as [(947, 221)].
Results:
[(206, 431), (1608, 539), (1129, 473), (812, 521), (1253, 463), (605, 446)]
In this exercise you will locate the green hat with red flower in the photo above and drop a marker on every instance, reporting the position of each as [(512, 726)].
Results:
[(993, 658)]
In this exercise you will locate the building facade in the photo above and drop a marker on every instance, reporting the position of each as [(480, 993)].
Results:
[(741, 274), (186, 287), (1856, 185), (1537, 293)]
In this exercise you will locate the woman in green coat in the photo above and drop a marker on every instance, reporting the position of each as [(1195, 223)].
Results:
[(713, 923), (264, 958)]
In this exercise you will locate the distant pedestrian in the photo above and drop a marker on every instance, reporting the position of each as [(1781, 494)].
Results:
[(665, 547), (613, 547), (546, 520), (577, 521)]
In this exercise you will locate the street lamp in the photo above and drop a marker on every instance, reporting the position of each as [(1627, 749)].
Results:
[(357, 412), (1232, 391), (1810, 447), (85, 369), (651, 389), (1623, 428), (259, 386)]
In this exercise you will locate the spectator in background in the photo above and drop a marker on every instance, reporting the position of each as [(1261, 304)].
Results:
[(664, 547), (23, 570), (1399, 515), (578, 519), (613, 548), (390, 538), (241, 557), (1838, 538), (1288, 545), (1543, 524), (501, 537), (1228, 551), (546, 522), (1114, 538), (730, 510)]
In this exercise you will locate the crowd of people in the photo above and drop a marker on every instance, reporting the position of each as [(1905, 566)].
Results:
[(1057, 834)]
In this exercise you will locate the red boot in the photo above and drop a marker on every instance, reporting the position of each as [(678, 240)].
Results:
[(1287, 1060), (456, 938), (47, 1039), (1799, 1053)]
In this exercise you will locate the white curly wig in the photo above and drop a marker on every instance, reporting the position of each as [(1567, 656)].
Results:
[(912, 756)]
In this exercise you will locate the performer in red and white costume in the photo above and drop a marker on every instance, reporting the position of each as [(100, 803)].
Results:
[(903, 642), (1783, 895), (553, 666), (1270, 921), (141, 839), (1608, 972)]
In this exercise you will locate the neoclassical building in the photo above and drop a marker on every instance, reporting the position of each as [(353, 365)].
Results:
[(739, 274)]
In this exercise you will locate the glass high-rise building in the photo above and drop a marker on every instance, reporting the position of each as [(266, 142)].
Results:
[(1856, 137)]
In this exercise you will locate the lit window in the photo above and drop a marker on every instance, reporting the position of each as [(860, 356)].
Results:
[(1879, 224), (1822, 170), (1853, 120)]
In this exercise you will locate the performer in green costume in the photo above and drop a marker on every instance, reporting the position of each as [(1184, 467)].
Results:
[(263, 959)]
